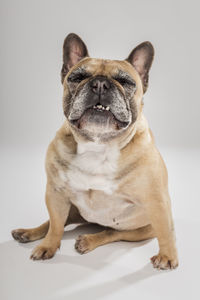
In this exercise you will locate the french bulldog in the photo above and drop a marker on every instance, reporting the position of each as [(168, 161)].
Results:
[(103, 166)]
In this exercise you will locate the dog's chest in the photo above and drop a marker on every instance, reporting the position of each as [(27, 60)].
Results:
[(91, 176), (93, 168)]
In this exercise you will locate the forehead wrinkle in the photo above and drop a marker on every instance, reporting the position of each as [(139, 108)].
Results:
[(98, 66), (101, 69)]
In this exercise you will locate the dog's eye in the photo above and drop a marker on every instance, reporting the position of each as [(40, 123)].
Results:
[(78, 77), (125, 81)]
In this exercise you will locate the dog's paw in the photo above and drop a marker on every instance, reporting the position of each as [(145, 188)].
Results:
[(163, 262), (21, 235), (42, 252), (83, 244)]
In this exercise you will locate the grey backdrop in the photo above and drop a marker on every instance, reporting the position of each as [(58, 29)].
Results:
[(32, 34)]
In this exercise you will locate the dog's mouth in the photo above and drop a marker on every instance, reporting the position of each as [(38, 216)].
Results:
[(100, 107), (99, 115)]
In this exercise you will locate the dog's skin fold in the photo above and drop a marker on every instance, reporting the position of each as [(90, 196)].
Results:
[(103, 166)]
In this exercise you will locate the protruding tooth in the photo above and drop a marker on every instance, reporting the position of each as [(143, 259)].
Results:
[(107, 108), (99, 106), (94, 106)]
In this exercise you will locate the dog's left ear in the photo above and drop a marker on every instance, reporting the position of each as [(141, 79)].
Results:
[(74, 49), (141, 59)]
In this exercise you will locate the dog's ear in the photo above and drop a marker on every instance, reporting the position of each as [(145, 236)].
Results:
[(74, 50), (141, 58)]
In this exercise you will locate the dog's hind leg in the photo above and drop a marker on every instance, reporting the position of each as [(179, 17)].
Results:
[(88, 242), (37, 233), (31, 234)]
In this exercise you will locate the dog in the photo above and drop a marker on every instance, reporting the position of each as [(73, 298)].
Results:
[(103, 166)]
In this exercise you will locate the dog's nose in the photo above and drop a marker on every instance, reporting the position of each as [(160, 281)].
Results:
[(100, 85)]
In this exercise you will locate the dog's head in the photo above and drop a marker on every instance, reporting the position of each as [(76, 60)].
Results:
[(102, 98)]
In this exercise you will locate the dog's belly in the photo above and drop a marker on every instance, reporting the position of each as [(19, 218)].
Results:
[(114, 211)]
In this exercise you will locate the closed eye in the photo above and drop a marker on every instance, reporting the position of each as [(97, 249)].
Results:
[(77, 77), (125, 81)]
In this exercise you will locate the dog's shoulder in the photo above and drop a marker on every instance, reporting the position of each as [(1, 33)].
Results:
[(60, 151)]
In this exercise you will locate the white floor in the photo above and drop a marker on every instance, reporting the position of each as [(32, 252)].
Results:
[(120, 270)]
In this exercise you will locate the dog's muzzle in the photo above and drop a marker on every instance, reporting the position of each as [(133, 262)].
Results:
[(99, 103)]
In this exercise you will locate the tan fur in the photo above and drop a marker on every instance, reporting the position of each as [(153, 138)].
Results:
[(141, 178), (88, 242)]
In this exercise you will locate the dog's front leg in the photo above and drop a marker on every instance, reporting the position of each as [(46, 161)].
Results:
[(58, 207), (159, 211)]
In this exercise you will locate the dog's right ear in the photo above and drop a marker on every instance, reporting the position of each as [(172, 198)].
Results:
[(74, 49)]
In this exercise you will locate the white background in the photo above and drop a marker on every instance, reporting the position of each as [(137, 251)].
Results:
[(32, 34)]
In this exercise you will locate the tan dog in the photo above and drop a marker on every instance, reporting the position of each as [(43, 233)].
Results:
[(103, 166)]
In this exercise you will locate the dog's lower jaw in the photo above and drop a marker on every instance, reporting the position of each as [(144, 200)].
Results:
[(99, 134)]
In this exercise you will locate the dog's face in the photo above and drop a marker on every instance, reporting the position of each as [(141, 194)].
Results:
[(102, 98)]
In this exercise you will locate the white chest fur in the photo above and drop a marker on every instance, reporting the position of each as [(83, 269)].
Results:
[(93, 168)]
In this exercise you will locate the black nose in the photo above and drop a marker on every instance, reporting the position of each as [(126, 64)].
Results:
[(100, 85)]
